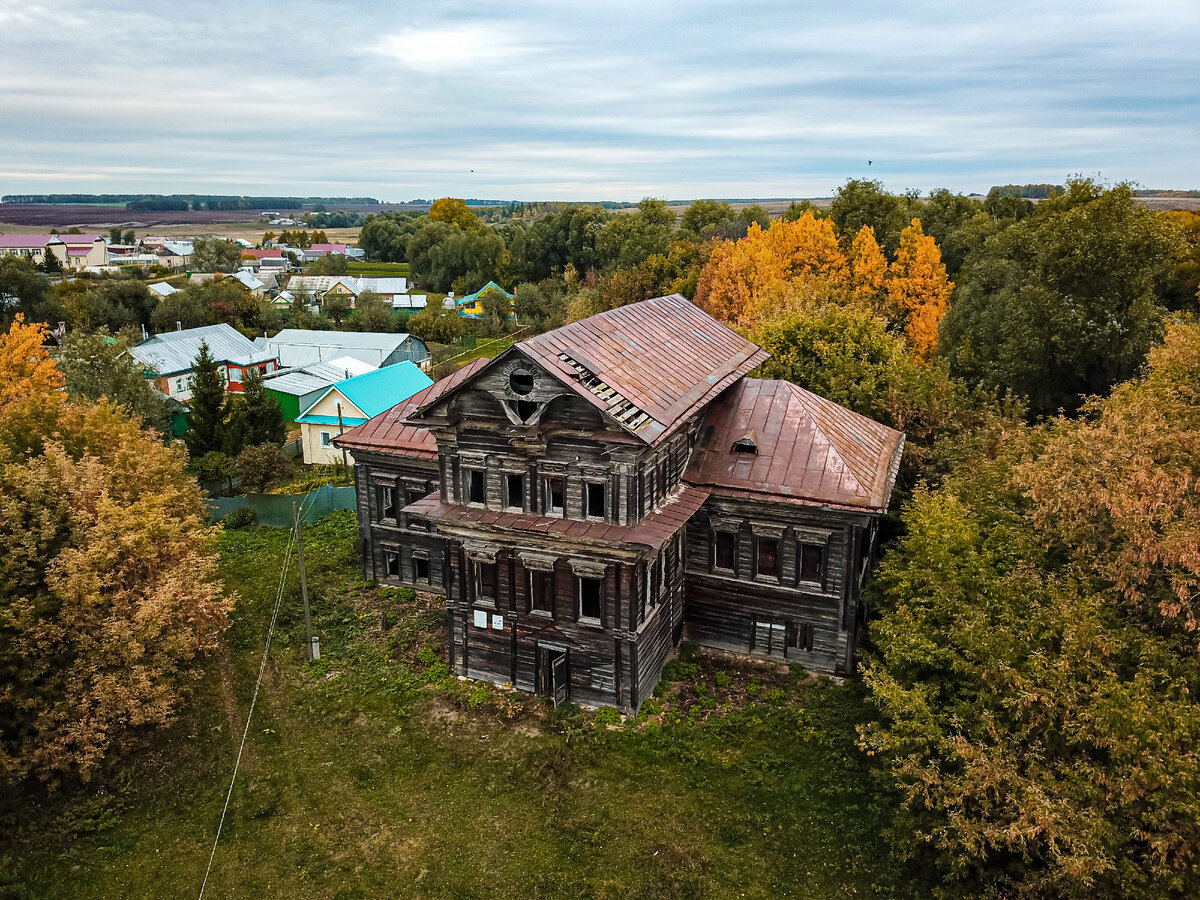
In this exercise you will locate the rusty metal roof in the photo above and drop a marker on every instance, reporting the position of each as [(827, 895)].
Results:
[(653, 531), (648, 366), (807, 450), (389, 432)]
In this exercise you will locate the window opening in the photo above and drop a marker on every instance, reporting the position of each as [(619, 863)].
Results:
[(521, 382), (812, 562), (486, 574), (391, 562), (724, 550), (420, 569), (590, 595), (541, 591), (554, 496), (514, 491), (388, 503), (768, 557), (475, 486), (594, 499)]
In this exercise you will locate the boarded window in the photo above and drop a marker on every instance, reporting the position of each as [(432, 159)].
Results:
[(591, 593), (514, 491), (475, 492), (812, 563), (554, 496), (541, 591), (486, 583), (594, 501), (724, 550), (767, 557)]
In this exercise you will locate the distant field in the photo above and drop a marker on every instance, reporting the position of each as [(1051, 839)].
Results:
[(398, 270)]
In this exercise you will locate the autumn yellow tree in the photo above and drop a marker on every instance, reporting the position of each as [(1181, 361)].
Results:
[(868, 268), (455, 211), (918, 289), (108, 580), (741, 279)]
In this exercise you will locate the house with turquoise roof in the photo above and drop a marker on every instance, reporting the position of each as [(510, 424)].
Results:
[(352, 402), (471, 306)]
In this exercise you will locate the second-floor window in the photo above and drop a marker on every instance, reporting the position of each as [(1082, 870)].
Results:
[(554, 496), (593, 500), (475, 486), (514, 492)]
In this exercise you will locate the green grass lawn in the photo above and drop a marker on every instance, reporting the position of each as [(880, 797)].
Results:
[(361, 780), (378, 269)]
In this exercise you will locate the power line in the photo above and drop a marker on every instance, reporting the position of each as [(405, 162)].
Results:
[(254, 697)]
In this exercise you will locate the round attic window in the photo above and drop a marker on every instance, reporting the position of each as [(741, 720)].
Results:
[(521, 381)]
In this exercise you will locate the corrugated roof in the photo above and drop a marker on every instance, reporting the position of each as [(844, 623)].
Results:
[(19, 241), (163, 289), (306, 379), (653, 531), (388, 432), (382, 389), (808, 450), (650, 365), (176, 351), (301, 347)]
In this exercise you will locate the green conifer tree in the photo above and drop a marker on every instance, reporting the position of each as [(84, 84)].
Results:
[(206, 418)]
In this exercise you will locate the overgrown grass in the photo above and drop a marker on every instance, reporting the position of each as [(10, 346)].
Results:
[(361, 780)]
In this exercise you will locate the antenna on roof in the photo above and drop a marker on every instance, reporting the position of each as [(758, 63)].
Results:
[(178, 326)]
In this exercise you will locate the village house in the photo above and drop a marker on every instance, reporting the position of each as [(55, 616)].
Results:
[(471, 306), (74, 251), (352, 402), (298, 388), (595, 494), (303, 346), (170, 358)]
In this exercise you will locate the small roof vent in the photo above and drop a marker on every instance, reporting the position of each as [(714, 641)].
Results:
[(745, 444)]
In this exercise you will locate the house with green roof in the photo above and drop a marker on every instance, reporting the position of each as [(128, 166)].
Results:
[(352, 402), (471, 306)]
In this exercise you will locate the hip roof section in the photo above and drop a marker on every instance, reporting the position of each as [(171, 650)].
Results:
[(776, 441)]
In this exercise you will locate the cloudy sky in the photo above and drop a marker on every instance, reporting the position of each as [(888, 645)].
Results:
[(594, 100)]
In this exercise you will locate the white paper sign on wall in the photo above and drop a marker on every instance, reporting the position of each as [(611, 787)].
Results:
[(481, 618), (497, 623)]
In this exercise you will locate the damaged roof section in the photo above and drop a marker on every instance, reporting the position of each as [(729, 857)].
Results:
[(648, 365), (773, 440)]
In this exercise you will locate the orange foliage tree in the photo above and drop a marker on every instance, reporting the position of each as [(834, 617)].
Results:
[(741, 277), (918, 289), (1123, 488), (868, 268), (108, 580)]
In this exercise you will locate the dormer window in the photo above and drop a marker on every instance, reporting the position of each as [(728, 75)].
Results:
[(745, 445), (521, 382)]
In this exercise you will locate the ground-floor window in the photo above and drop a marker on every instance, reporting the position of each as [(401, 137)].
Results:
[(591, 597), (420, 568), (391, 563)]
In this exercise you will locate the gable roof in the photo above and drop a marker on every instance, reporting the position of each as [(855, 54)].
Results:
[(648, 366), (176, 351), (25, 241), (390, 432), (163, 288), (303, 380), (302, 346), (490, 286), (377, 391), (809, 450)]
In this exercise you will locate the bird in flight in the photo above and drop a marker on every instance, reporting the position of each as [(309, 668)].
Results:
[(868, 162)]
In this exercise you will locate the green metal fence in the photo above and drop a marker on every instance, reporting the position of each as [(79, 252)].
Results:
[(276, 509)]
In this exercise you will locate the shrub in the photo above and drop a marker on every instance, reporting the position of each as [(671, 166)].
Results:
[(242, 517), (608, 715), (723, 679), (753, 689)]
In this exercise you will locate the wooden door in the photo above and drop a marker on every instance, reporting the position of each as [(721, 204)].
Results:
[(558, 676)]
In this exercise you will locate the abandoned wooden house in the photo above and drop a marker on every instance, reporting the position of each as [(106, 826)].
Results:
[(595, 494)]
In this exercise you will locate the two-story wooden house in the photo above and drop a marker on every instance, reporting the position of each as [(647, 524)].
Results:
[(593, 494)]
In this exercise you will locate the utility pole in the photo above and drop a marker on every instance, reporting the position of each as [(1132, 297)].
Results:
[(314, 647), (345, 459)]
